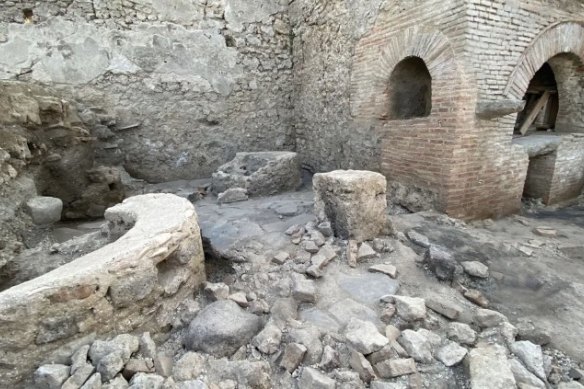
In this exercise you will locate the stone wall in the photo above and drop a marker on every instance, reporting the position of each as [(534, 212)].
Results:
[(187, 83), (135, 283)]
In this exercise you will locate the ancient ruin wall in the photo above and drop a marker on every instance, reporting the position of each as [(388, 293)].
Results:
[(451, 159), (201, 79), (134, 283)]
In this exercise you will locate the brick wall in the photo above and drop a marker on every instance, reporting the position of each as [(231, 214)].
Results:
[(476, 51)]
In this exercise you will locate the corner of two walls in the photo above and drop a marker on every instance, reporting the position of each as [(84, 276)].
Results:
[(189, 83)]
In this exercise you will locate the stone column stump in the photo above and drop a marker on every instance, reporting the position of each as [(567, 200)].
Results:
[(353, 201)]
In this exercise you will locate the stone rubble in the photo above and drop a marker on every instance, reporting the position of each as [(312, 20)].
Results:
[(273, 324)]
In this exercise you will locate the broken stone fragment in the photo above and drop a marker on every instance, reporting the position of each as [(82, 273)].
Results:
[(384, 268), (395, 368), (118, 382), (51, 376), (293, 356), (451, 354), (312, 378), (354, 202), (221, 328), (386, 352), (303, 289), (362, 366), (417, 238), (476, 297), (188, 367), (330, 359), (79, 377), (387, 312), (144, 380), (163, 364), (79, 358), (325, 228), (216, 291), (383, 245), (410, 308), (261, 173), (110, 365), (268, 340), (365, 252), (351, 253), (281, 257), (310, 246), (137, 365), (364, 337), (232, 195), (546, 232), (441, 262), (444, 307), (240, 298), (524, 376), (125, 344), (147, 346), (309, 336), (416, 345), (487, 318), (45, 210), (488, 368), (94, 382), (461, 333), (531, 355), (475, 269)]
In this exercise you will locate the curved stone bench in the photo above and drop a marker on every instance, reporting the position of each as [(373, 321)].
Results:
[(134, 283)]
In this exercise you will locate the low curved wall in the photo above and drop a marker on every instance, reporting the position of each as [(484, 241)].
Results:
[(137, 282)]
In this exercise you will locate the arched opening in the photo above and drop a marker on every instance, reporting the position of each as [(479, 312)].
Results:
[(541, 103), (410, 90)]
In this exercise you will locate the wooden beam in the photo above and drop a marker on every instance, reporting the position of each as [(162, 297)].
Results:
[(532, 115)]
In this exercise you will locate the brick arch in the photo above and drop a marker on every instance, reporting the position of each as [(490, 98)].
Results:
[(560, 38), (376, 56)]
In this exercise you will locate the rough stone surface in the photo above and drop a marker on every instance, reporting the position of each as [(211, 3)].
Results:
[(232, 195), (268, 340), (489, 318), (524, 376), (51, 376), (221, 328), (489, 368), (476, 269), (444, 307), (531, 356), (410, 308), (260, 173), (188, 367), (387, 269), (303, 289), (364, 337), (312, 378), (353, 201), (362, 366), (451, 354), (45, 210), (293, 355), (365, 252), (417, 346), (395, 368), (461, 333), (441, 262)]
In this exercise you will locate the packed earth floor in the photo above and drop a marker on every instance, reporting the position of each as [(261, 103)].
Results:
[(438, 303)]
